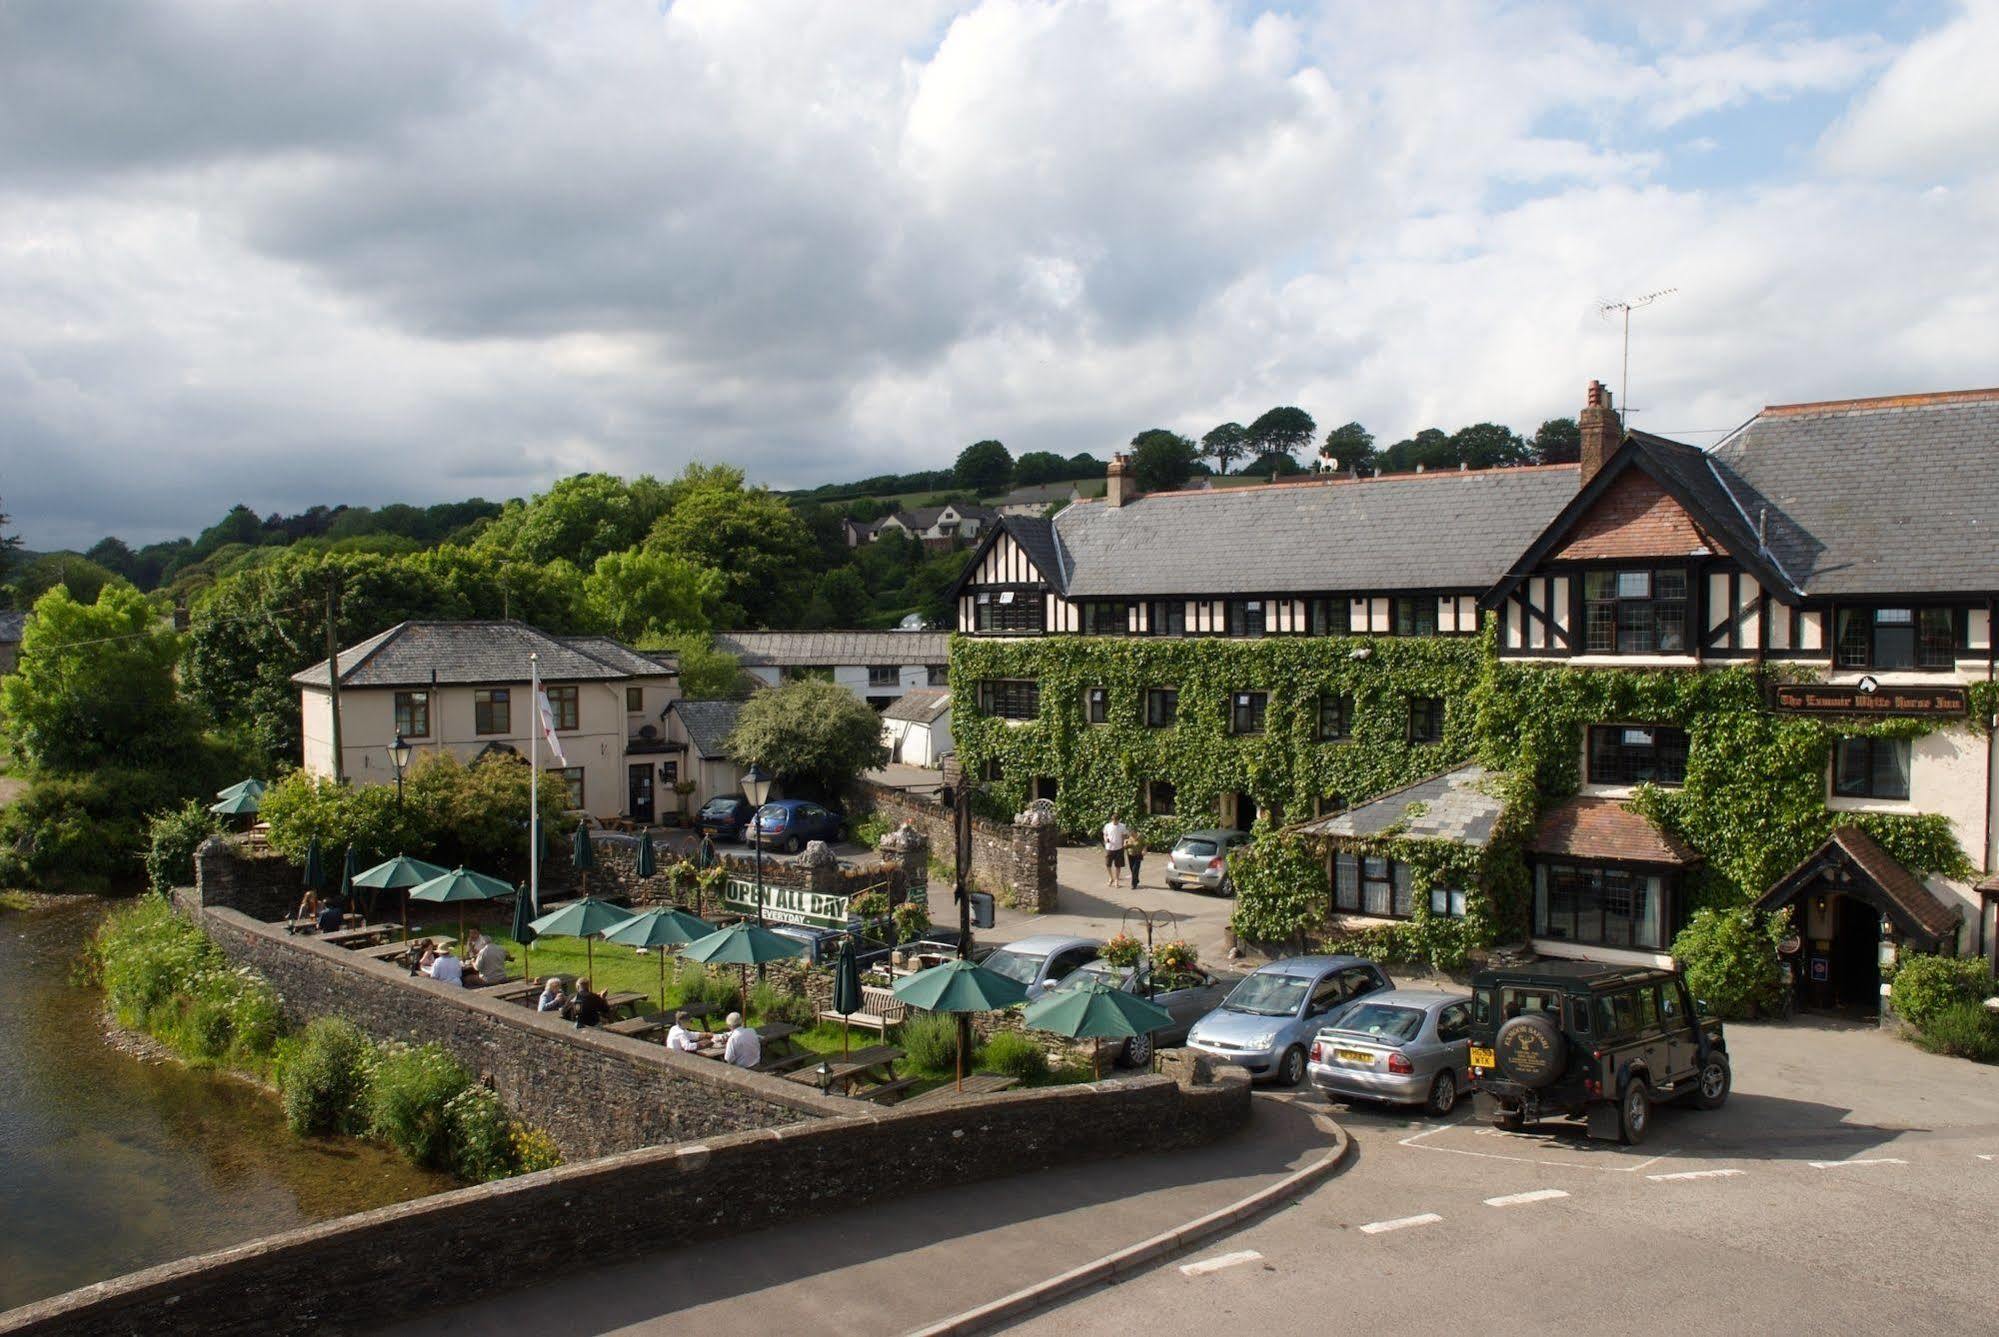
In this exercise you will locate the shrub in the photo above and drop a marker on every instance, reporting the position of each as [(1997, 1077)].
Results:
[(481, 1136), (1175, 958), (1730, 957), (324, 1079), (930, 1039), (1925, 987), (1962, 1030), (172, 838), (534, 1149), (1015, 1055), (774, 1004), (870, 829), (869, 905), (407, 1099), (162, 976), (912, 921)]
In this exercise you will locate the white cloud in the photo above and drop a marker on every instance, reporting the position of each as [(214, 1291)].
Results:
[(1935, 112)]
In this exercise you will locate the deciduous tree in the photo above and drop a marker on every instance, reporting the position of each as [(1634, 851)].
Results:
[(1225, 444), (812, 735), (648, 590), (1285, 429), (984, 468), (1349, 447), (94, 685), (1162, 460), (1558, 441), (754, 538)]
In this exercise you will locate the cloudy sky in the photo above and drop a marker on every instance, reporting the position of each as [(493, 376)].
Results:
[(374, 250)]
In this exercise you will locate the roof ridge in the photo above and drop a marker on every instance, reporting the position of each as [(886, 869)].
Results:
[(1925, 399), (381, 638), (1409, 475)]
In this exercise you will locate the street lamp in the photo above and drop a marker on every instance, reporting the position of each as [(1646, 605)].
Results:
[(399, 757), (756, 788)]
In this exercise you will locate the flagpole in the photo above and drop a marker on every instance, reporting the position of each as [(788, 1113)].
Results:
[(534, 785)]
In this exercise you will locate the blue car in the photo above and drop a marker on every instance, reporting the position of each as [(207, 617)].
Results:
[(788, 823), (1268, 1022)]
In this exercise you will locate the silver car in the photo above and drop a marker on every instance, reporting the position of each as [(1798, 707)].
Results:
[(1267, 1022), (1408, 1046), (1200, 859), (1037, 961), (1188, 1001)]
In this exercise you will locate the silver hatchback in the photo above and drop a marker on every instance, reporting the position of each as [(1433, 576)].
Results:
[(1201, 859), (1408, 1046)]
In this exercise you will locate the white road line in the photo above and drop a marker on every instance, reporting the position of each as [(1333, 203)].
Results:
[(1418, 1142), (1400, 1223), (1216, 1264), (1984, 1157), (1698, 1174), (1520, 1199), (1863, 1160)]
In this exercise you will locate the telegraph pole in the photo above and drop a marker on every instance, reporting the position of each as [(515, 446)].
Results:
[(333, 673)]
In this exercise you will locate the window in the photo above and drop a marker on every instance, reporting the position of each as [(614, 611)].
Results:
[(991, 770), (883, 675), (1106, 619), (1426, 719), (1246, 711), (1454, 1023), (1327, 617), (1097, 705), (937, 675), (1897, 638), (1602, 907), (669, 771), (1447, 902), (1415, 617), (1010, 698), (1167, 617), (1160, 796), (492, 711), (635, 700), (1008, 610), (563, 704), (1162, 707), (572, 780), (1871, 768), (1246, 617), (1635, 612), (413, 714), (1630, 754), (1334, 714), (1371, 885)]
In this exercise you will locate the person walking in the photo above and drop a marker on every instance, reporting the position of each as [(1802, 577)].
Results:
[(1116, 833), (1134, 855)]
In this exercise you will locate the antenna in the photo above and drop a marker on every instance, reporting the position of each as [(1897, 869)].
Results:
[(1625, 308)]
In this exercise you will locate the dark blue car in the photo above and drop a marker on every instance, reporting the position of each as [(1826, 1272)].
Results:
[(788, 823)]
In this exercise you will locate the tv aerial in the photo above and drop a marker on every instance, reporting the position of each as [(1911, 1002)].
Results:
[(1625, 308)]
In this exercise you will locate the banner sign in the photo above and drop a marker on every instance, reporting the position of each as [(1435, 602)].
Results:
[(787, 905), (1811, 698)]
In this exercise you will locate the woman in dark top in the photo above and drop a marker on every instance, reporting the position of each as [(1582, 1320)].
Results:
[(588, 1008)]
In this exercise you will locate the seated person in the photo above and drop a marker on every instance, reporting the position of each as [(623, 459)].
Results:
[(331, 916), (682, 1037), (552, 999), (308, 912), (444, 967), (588, 1007), (488, 958), (745, 1048)]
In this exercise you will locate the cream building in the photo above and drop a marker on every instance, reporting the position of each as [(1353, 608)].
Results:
[(462, 688)]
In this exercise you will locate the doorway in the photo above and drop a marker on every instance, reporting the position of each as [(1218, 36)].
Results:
[(1242, 811), (1856, 954), (639, 792)]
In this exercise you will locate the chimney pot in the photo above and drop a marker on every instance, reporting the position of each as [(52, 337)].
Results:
[(1119, 485), (1601, 429)]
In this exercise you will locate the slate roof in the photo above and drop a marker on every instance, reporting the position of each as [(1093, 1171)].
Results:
[(708, 724), (11, 627), (1041, 494), (1036, 536), (1604, 829), (761, 649), (1895, 890), (920, 705), (1442, 530), (1454, 806), (1875, 496), (415, 654)]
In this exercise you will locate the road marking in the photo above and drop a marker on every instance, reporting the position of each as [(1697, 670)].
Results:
[(1863, 1160), (1216, 1264), (1418, 1142), (1400, 1223), (1519, 1199), (1697, 1174), (1983, 1157)]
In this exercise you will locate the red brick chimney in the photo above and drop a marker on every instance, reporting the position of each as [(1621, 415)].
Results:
[(1120, 485), (1602, 431)]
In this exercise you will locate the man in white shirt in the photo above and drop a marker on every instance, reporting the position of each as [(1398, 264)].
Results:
[(682, 1037), (745, 1049), (1115, 834), (447, 969)]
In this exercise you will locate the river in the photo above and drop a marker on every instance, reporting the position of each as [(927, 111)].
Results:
[(110, 1163)]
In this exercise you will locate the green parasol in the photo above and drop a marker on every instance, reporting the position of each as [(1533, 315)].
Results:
[(238, 805), (960, 986), (588, 919), (254, 788), (846, 989), (459, 886), (315, 874), (645, 863), (1096, 1009), (743, 944), (657, 930), (583, 857), (401, 872), (348, 868)]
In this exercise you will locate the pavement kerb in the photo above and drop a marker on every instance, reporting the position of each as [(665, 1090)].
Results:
[(1137, 1257)]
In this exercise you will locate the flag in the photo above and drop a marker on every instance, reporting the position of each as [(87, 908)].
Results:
[(548, 725)]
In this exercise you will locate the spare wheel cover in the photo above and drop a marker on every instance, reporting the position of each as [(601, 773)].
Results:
[(1529, 1049)]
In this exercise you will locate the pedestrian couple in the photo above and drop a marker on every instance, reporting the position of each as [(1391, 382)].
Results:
[(1123, 848)]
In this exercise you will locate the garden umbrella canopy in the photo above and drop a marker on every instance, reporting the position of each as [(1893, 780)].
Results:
[(253, 787), (459, 886), (660, 928), (1096, 1010), (348, 871), (401, 871), (959, 986), (846, 988), (645, 863), (586, 918), (237, 806), (581, 852), (742, 945), (315, 872), (523, 919)]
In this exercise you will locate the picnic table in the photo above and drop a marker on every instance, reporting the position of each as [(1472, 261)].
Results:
[(873, 1064), (517, 991), (389, 951), (640, 1028), (348, 920), (368, 935), (976, 1084), (624, 1001)]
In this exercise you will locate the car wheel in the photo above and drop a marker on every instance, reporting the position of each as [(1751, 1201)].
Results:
[(1137, 1052), (1443, 1094), (1712, 1087), (1634, 1113), (793, 845), (1291, 1068)]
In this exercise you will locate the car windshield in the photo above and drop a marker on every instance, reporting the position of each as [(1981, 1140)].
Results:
[(1102, 971), (1016, 966), (1198, 848), (1379, 1019), (771, 815), (1268, 995), (719, 805)]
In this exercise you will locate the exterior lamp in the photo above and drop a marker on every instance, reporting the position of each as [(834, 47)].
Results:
[(399, 757), (823, 1074), (756, 788), (756, 785)]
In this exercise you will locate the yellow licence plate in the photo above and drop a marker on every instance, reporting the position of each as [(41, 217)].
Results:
[(1354, 1056), (1481, 1058)]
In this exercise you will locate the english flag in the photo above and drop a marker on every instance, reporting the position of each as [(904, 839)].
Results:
[(548, 726)]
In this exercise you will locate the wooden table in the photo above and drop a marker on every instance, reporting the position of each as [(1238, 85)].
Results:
[(876, 1063), (639, 1028), (366, 936), (312, 925), (976, 1084), (624, 1001), (517, 991)]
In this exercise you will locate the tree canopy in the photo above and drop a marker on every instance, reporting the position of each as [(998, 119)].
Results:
[(984, 468), (1482, 445), (647, 591), (1225, 444), (812, 735), (750, 535), (578, 520), (1039, 466), (1162, 460), (1558, 441), (94, 685), (1285, 429), (1349, 447)]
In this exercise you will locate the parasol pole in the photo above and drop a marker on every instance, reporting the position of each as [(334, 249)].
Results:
[(534, 786)]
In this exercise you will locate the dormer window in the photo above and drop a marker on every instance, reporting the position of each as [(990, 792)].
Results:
[(1635, 612), (1007, 610)]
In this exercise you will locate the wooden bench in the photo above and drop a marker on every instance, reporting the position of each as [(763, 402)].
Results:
[(517, 991), (639, 1028), (876, 1062), (976, 1084), (880, 1009), (347, 920), (781, 1064), (881, 1092), (624, 1001)]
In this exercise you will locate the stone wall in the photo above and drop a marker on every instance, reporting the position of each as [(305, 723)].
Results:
[(398, 1261), (1015, 861), (594, 1092), (247, 875)]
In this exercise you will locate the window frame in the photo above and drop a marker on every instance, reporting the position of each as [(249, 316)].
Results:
[(1239, 621), (1096, 705), (1105, 617), (565, 706), (1166, 617), (884, 675), (1870, 767), (572, 778), (1661, 747), (1162, 707), (1407, 613), (410, 706), (492, 711), (1341, 704), (635, 700), (1153, 804), (1592, 891), (1610, 619), (1026, 612), (1010, 698), (1360, 888), (1328, 616), (1432, 706), (937, 675), (1859, 630), (1257, 704)]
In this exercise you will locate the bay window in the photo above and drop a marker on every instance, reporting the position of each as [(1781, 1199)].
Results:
[(1369, 884), (1598, 906), (1635, 612), (1008, 610)]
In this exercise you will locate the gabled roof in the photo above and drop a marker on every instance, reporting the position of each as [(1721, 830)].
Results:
[(1853, 862), (920, 705), (1603, 829), (1454, 806), (708, 724), (416, 654), (1041, 494), (797, 649)]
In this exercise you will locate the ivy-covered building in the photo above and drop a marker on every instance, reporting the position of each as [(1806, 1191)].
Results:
[(1683, 670)]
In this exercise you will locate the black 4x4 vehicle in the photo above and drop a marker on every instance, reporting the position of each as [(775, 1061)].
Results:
[(1585, 1040)]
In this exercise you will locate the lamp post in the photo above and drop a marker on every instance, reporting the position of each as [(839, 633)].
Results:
[(756, 788), (399, 757)]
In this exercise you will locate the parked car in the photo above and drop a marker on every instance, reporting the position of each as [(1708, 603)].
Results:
[(1583, 1040), (726, 816), (1188, 997), (874, 950), (1267, 1022), (1408, 1046), (788, 823), (1200, 859), (1041, 960)]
